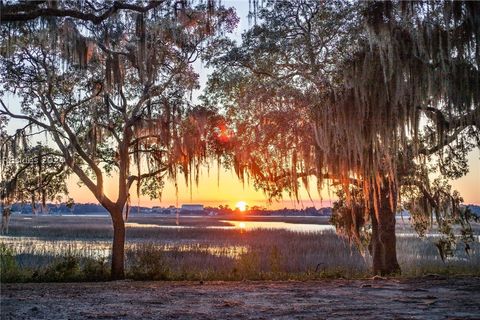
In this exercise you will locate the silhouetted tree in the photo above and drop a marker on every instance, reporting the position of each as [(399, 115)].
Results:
[(341, 91), (34, 174), (108, 82)]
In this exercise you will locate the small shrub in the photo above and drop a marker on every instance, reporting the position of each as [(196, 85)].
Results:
[(96, 269), (67, 269), (147, 263), (9, 268)]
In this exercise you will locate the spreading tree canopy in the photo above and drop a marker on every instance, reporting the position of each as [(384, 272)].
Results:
[(372, 96), (109, 82)]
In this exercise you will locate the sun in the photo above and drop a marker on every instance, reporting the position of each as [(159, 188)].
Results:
[(241, 205)]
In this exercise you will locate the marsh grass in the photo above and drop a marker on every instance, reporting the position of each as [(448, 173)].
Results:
[(200, 253)]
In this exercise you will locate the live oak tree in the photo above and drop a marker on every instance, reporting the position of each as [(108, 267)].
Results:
[(30, 175), (109, 82), (341, 91), (420, 60)]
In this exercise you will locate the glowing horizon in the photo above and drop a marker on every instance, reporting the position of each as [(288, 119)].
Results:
[(212, 191), (227, 189)]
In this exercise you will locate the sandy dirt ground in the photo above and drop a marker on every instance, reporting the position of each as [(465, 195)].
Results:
[(426, 298)]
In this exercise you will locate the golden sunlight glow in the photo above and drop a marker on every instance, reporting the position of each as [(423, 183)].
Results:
[(241, 205), (242, 225)]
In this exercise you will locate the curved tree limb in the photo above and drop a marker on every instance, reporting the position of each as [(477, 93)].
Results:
[(32, 11)]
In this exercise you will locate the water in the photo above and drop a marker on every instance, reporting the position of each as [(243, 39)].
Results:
[(295, 227), (245, 225), (102, 249)]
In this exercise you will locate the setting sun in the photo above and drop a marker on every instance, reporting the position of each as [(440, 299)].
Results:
[(241, 205)]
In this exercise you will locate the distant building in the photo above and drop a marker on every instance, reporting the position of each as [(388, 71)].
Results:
[(191, 208), (161, 210)]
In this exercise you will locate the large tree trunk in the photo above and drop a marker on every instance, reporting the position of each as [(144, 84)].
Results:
[(376, 247), (386, 228), (118, 248), (383, 242)]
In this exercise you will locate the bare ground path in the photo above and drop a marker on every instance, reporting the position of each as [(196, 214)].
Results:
[(426, 298)]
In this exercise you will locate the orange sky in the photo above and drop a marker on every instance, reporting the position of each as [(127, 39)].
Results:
[(210, 192), (230, 190), (469, 185)]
